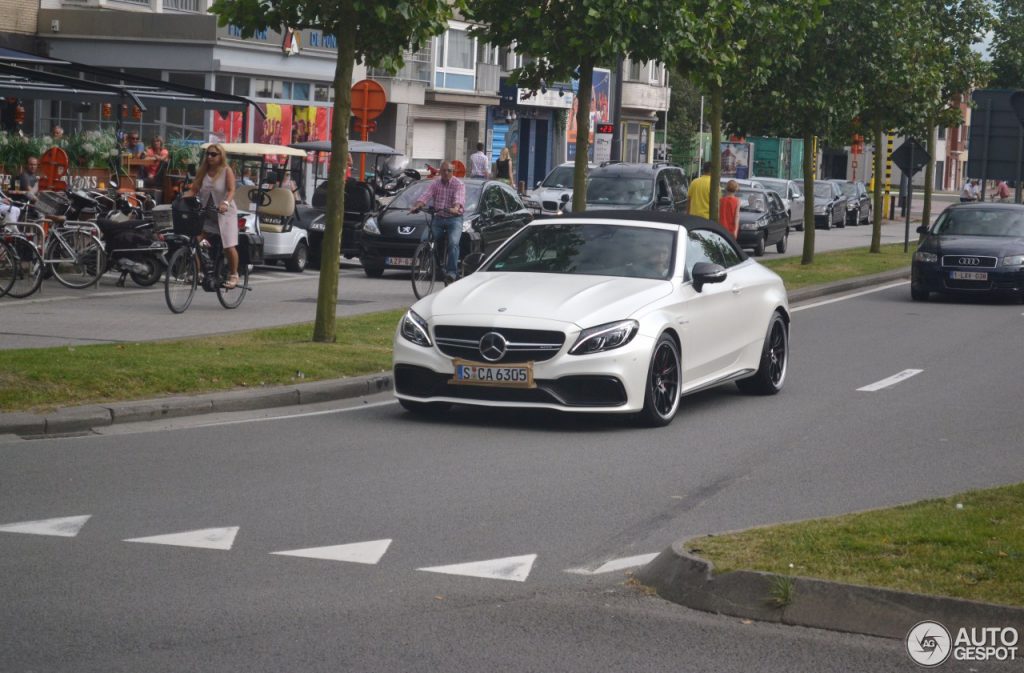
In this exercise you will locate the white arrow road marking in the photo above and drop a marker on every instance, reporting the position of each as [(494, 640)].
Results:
[(357, 552), (67, 526), (892, 380), (207, 538), (615, 564), (514, 568)]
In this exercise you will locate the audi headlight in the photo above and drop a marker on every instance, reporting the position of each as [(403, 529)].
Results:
[(819, 209), (926, 257), (605, 337), (414, 329), (1015, 260), (370, 226)]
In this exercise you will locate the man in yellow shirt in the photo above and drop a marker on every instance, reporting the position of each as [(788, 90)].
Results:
[(700, 193)]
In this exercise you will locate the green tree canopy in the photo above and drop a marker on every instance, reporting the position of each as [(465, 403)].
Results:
[(1008, 45)]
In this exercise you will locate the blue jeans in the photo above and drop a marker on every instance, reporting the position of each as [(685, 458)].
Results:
[(453, 225)]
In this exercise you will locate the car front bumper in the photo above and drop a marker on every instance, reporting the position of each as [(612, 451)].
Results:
[(749, 238), (1007, 280), (610, 382)]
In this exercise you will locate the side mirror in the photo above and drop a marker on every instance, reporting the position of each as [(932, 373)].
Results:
[(472, 262), (923, 229), (537, 186), (664, 202), (705, 273)]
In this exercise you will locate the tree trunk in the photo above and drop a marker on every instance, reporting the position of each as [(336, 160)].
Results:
[(327, 293), (579, 178), (876, 226), (929, 174), (716, 151), (809, 148)]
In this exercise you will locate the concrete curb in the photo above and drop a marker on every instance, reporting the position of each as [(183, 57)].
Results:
[(682, 578), (82, 418), (840, 286)]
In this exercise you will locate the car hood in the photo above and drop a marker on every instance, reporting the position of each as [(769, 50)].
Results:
[(583, 300), (549, 194), (750, 216), (989, 246), (616, 206)]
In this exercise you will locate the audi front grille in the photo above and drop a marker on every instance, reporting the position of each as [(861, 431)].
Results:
[(970, 261)]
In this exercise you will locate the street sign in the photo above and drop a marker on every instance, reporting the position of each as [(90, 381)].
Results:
[(368, 100), (911, 157)]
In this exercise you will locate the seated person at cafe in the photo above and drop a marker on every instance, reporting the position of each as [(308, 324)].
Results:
[(132, 146), (28, 181), (158, 154)]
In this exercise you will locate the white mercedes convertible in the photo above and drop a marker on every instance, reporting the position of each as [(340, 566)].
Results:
[(606, 312)]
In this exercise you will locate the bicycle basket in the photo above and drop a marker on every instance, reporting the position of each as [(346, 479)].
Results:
[(186, 216), (52, 203)]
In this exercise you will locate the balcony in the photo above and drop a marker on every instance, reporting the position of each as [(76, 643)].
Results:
[(488, 78), (641, 96)]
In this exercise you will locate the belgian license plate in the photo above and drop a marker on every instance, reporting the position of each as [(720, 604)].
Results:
[(398, 261), (478, 374), (968, 275)]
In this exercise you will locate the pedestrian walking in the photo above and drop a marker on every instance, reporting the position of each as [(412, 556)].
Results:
[(503, 170), (1002, 192), (729, 209), (479, 164), (700, 193)]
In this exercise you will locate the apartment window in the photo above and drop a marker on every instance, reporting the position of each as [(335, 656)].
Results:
[(511, 60), (322, 93), (655, 73), (942, 133), (486, 53), (633, 71), (182, 5), (269, 88), (456, 60)]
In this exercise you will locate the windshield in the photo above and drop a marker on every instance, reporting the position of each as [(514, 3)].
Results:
[(980, 222), (619, 191), (823, 192), (777, 186), (560, 178), (593, 249), (753, 202), (415, 191), (849, 189)]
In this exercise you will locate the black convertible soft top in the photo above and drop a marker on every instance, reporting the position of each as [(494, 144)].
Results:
[(690, 222)]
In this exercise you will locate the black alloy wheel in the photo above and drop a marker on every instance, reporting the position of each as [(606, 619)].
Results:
[(771, 373), (661, 398), (783, 243), (762, 242)]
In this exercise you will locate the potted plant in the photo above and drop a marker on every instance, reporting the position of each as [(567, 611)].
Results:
[(183, 156)]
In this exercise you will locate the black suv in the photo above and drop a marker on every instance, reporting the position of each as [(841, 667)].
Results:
[(623, 186)]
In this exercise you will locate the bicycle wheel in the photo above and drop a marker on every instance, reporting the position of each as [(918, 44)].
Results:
[(423, 270), (27, 270), (8, 267), (231, 298), (79, 261), (181, 280)]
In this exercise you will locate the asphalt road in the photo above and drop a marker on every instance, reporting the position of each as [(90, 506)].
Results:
[(536, 495), (58, 316)]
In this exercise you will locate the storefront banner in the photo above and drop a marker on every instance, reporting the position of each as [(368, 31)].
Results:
[(227, 129), (736, 160), (600, 109)]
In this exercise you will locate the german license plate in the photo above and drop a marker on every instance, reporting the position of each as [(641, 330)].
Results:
[(398, 261), (968, 275), (505, 376)]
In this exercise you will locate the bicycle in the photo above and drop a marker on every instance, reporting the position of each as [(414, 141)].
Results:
[(429, 261), (193, 264), (21, 265)]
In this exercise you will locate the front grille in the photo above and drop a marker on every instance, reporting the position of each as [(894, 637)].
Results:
[(970, 261), (568, 391), (524, 345)]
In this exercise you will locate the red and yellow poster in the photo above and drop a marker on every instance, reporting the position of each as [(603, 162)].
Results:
[(228, 128)]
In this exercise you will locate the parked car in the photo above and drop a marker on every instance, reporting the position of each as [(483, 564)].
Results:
[(829, 205), (388, 239), (972, 248), (742, 182), (588, 315), (629, 186), (858, 201), (360, 202), (763, 221), (549, 195), (792, 196)]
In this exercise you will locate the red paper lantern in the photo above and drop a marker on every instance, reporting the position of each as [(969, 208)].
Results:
[(19, 114), (136, 112), (106, 110)]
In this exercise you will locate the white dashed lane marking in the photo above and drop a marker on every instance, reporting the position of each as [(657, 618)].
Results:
[(891, 381), (207, 538), (615, 564), (513, 568), (67, 526), (357, 552)]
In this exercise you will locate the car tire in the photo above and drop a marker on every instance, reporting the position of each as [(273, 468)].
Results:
[(425, 408), (918, 293), (798, 227), (841, 224), (762, 243), (783, 242), (663, 384), (856, 218), (771, 372), (297, 262), (373, 271)]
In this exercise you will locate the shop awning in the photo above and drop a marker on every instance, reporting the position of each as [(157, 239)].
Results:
[(354, 146)]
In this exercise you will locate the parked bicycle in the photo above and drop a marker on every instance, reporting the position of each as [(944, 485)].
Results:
[(430, 260), (21, 265), (193, 264)]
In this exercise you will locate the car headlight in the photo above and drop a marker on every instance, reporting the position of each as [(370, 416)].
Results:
[(414, 328), (751, 225), (370, 226), (605, 337), (1015, 260), (819, 209), (926, 257), (530, 203)]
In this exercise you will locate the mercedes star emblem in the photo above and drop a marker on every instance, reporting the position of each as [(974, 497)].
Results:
[(492, 346)]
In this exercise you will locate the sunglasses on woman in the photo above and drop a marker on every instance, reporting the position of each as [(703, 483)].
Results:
[(213, 154)]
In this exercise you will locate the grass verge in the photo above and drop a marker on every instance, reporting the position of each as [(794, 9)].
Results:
[(40, 379), (840, 264), (968, 546)]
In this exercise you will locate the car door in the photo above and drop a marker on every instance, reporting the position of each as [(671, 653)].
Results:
[(677, 183), (518, 214), (663, 194), (492, 222), (711, 320), (778, 220), (797, 201)]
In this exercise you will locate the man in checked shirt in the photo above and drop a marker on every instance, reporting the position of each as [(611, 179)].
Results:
[(447, 196)]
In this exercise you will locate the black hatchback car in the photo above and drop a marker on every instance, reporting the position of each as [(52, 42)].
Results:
[(971, 249), (388, 239), (627, 186), (763, 221)]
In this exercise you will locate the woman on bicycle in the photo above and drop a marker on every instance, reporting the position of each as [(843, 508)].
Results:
[(215, 184)]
